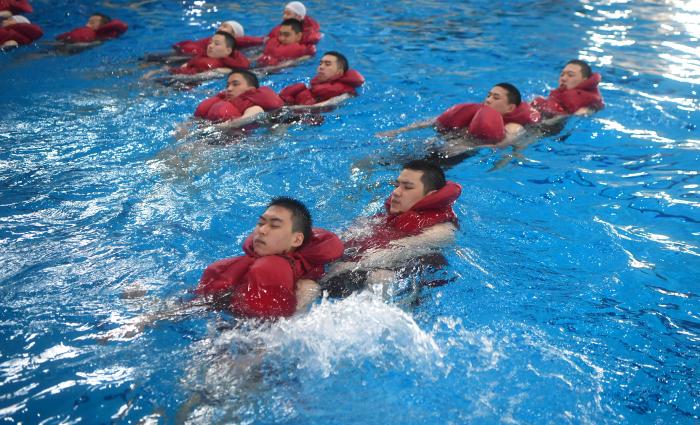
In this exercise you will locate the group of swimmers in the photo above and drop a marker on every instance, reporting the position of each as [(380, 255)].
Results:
[(283, 267)]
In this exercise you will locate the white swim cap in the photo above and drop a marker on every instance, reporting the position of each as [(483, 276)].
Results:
[(297, 7), (20, 19), (237, 28)]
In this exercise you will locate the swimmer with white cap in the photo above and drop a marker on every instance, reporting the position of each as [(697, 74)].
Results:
[(294, 10)]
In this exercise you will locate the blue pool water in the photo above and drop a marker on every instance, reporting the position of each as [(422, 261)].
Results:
[(573, 291)]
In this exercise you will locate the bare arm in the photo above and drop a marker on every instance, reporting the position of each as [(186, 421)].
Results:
[(415, 126)]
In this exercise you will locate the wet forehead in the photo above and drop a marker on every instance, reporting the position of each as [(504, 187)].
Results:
[(237, 78), (572, 69), (498, 91), (410, 177), (329, 60), (277, 214)]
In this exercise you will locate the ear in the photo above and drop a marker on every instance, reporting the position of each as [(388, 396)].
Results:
[(432, 191), (297, 239), (510, 108)]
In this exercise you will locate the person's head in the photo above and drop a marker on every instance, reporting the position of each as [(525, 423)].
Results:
[(221, 45), (574, 73), (294, 10), (16, 19), (503, 97), (96, 20), (232, 27), (332, 64), (417, 180), (283, 227), (290, 32), (240, 81)]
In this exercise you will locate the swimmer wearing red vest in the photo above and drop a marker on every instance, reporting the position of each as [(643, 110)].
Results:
[(221, 56), (198, 47), (243, 98), (311, 30), (99, 27), (286, 46), (17, 30), (14, 7), (281, 250), (419, 218), (499, 119), (333, 78), (577, 93)]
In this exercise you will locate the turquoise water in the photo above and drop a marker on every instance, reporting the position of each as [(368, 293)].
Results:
[(573, 283)]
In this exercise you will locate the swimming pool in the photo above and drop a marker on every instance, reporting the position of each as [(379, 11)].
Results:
[(573, 295)]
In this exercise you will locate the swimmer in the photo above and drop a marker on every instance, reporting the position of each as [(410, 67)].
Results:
[(286, 46), (14, 7), (17, 30), (98, 27), (311, 30), (333, 78), (243, 99), (281, 250), (198, 47), (221, 56), (498, 120), (418, 220), (577, 93)]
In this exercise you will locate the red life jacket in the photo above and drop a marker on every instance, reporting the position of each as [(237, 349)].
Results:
[(265, 286), (111, 29), (276, 52), (198, 47), (299, 94), (204, 63), (21, 33), (310, 29), (563, 101), (220, 108), (434, 209), (17, 7), (483, 121)]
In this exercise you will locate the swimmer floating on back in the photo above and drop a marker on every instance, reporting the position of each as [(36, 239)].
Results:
[(285, 49), (311, 30), (220, 57), (577, 93), (418, 220), (281, 250), (333, 79), (499, 119), (17, 30), (197, 47), (99, 27)]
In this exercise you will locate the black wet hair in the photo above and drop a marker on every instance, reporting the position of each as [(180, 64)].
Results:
[(433, 177), (342, 60), (301, 217), (104, 19), (248, 76), (294, 23), (585, 68), (230, 40), (513, 93)]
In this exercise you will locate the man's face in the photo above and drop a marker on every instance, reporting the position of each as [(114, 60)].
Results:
[(328, 68), (236, 86), (273, 234), (409, 190), (288, 36), (498, 100), (571, 76), (94, 22), (217, 47), (288, 14)]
